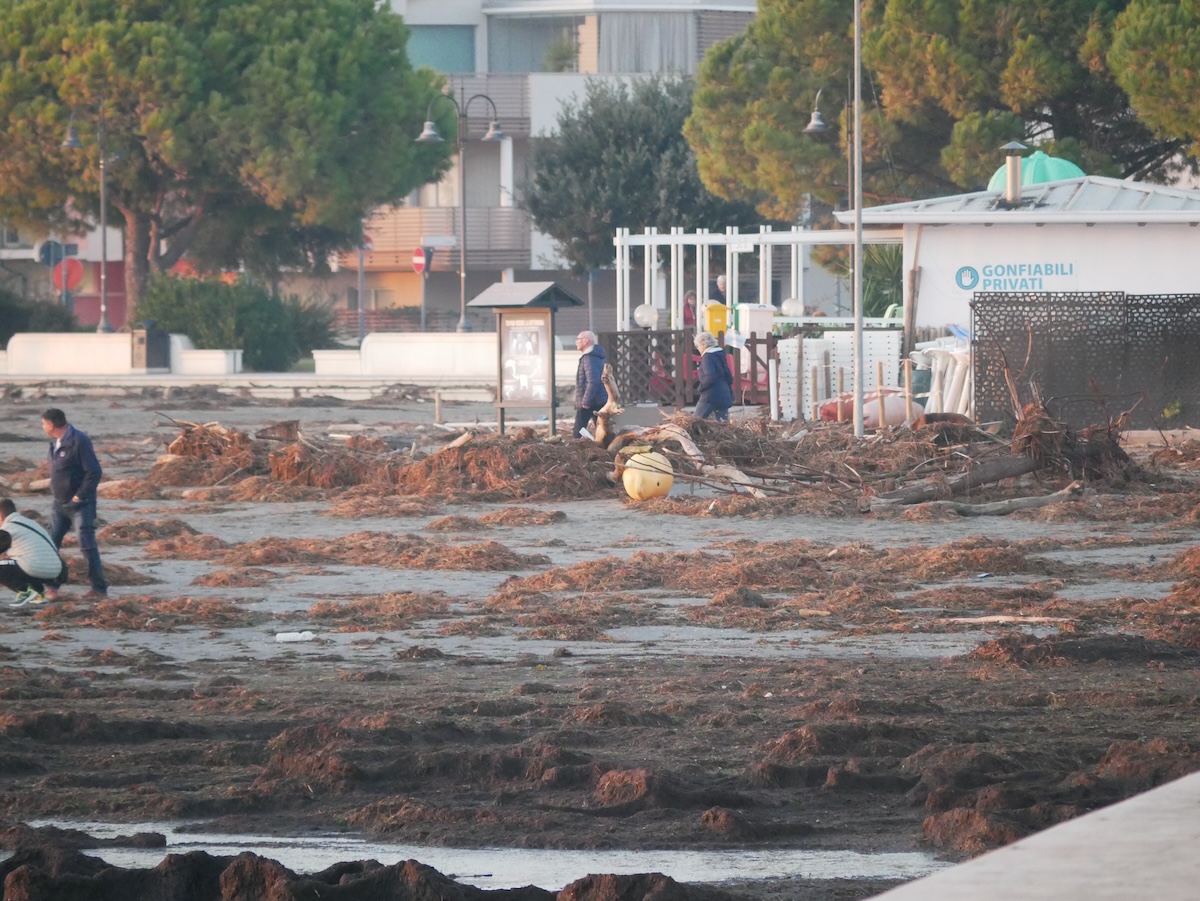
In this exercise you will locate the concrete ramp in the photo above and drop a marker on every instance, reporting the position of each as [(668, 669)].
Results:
[(1143, 849)]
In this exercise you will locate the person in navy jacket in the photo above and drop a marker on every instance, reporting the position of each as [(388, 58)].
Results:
[(74, 475), (590, 393), (716, 379)]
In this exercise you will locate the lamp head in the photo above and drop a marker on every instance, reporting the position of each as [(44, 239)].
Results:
[(71, 141), (816, 124), (645, 315), (429, 134), (791, 307), (494, 132)]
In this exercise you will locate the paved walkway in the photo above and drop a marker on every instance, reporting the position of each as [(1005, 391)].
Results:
[(1144, 849), (257, 384)]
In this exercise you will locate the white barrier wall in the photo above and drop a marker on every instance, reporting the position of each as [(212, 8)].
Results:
[(70, 353), (467, 358)]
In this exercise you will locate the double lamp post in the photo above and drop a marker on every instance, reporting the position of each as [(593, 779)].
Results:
[(429, 135)]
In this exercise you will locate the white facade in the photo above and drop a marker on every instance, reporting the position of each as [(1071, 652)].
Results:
[(1079, 234), (955, 261)]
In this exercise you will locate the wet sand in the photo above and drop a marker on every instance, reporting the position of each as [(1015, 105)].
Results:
[(588, 675)]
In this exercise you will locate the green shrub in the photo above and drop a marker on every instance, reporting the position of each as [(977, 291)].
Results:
[(20, 315), (271, 333), (312, 323)]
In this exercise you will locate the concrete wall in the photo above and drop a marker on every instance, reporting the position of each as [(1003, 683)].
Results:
[(95, 353), (462, 358), (955, 261), (70, 353)]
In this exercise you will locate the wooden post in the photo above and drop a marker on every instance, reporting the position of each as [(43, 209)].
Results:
[(816, 406), (437, 407), (841, 389), (879, 393), (908, 395)]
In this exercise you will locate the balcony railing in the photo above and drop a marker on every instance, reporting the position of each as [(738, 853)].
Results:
[(510, 93), (497, 238)]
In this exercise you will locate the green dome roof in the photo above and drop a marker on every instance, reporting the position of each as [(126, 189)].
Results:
[(1036, 169)]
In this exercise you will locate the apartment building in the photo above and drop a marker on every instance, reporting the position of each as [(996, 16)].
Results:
[(519, 61)]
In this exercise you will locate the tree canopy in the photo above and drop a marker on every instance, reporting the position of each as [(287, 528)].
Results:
[(1155, 53), (248, 132), (619, 160), (945, 84)]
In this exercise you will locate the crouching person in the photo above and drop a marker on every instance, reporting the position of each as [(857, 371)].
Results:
[(31, 562)]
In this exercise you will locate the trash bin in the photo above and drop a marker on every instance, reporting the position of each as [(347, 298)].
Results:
[(716, 317), (151, 347)]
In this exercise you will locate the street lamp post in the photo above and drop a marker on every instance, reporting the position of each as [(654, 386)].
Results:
[(72, 143), (429, 135), (816, 125)]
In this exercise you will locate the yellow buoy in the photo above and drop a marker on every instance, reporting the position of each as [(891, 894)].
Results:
[(647, 475)]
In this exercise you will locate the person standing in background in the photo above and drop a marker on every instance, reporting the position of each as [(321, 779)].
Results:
[(590, 393), (74, 474), (716, 289)]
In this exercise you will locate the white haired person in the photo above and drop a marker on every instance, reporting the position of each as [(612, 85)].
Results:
[(716, 379), (590, 393), (31, 562)]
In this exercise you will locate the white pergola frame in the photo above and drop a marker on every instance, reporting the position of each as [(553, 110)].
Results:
[(735, 243)]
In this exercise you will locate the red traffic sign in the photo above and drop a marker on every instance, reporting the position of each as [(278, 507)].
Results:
[(419, 260), (74, 270)]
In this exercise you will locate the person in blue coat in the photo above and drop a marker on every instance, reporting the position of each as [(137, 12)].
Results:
[(590, 393), (716, 379), (74, 475)]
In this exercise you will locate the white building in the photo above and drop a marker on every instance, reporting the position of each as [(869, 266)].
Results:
[(1078, 234)]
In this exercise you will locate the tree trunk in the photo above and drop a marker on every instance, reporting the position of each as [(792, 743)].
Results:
[(137, 263)]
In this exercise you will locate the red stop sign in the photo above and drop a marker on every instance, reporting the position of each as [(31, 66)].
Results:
[(74, 273), (419, 260)]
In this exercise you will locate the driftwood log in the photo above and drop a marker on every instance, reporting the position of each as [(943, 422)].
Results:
[(611, 408), (984, 474), (1072, 492)]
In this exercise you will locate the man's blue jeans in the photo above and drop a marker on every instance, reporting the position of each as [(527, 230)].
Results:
[(81, 517)]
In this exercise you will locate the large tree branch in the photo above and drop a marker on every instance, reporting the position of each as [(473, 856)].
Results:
[(179, 236)]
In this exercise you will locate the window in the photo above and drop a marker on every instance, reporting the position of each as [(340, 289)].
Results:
[(446, 48), (11, 237), (632, 43), (538, 44)]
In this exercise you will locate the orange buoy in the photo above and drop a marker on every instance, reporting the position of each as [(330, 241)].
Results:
[(647, 475)]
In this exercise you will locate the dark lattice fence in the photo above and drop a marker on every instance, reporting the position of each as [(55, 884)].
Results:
[(660, 367), (1092, 355), (652, 366)]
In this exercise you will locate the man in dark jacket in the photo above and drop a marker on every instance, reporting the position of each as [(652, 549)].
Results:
[(590, 393), (74, 475)]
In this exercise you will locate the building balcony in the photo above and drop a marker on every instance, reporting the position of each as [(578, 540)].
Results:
[(497, 238), (510, 93)]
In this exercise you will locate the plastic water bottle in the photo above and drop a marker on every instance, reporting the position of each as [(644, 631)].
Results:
[(295, 636)]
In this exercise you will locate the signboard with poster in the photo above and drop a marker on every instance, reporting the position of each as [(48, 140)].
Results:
[(525, 342), (525, 333)]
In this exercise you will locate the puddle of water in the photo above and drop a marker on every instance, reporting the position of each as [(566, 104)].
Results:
[(497, 868)]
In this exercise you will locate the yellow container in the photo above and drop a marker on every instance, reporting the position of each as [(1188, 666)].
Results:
[(647, 475), (716, 317)]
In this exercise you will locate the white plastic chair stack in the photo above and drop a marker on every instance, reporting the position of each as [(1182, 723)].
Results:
[(951, 388)]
